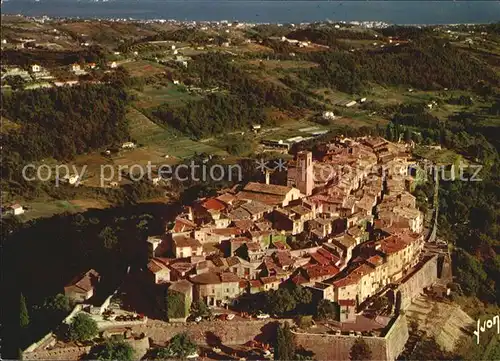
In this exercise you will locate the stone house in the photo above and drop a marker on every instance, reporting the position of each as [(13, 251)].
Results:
[(82, 287)]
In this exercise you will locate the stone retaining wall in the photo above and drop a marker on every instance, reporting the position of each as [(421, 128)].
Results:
[(229, 332), (67, 353), (337, 347), (413, 286)]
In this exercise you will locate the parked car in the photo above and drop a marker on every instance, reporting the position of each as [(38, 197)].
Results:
[(193, 355), (197, 319), (216, 350), (230, 316), (263, 316)]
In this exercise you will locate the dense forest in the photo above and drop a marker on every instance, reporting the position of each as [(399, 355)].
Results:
[(329, 36), (468, 210), (61, 123), (45, 254), (244, 105), (28, 57), (213, 115), (429, 65)]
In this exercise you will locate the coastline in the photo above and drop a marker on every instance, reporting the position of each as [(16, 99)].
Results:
[(416, 13)]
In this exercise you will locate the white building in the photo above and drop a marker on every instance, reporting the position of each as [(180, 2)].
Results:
[(128, 145), (17, 209), (328, 115)]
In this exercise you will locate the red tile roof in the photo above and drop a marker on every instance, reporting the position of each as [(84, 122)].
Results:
[(256, 283), (85, 282), (182, 286), (214, 204), (299, 279), (316, 271), (316, 256), (244, 224), (229, 277), (230, 231), (328, 255), (269, 199), (183, 241), (395, 243), (283, 258), (279, 245), (253, 247), (354, 276), (155, 265), (267, 280), (226, 198), (215, 278), (182, 267), (183, 225), (273, 189)]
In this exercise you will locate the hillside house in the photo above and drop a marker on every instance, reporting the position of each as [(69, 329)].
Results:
[(128, 145), (182, 292), (83, 286), (16, 209), (184, 246), (159, 271), (216, 288)]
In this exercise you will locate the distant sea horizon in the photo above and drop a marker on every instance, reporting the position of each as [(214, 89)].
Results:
[(270, 11)]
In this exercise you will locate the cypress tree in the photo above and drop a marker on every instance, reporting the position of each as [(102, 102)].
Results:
[(24, 318), (285, 343)]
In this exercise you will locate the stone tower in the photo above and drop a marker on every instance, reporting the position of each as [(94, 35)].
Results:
[(304, 176)]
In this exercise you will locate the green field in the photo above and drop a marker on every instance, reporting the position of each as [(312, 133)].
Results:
[(153, 96), (48, 209), (143, 68), (291, 129), (166, 140), (438, 156)]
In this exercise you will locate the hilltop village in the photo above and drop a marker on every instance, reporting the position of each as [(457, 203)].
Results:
[(366, 252), (369, 194), (338, 236)]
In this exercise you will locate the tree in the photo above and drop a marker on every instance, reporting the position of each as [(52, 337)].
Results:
[(176, 305), (115, 350), (180, 345), (82, 328), (58, 304), (280, 301), (285, 343), (304, 321), (16, 82), (200, 309), (108, 237), (397, 303), (360, 350), (407, 135), (326, 310), (24, 318), (301, 295), (380, 303)]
